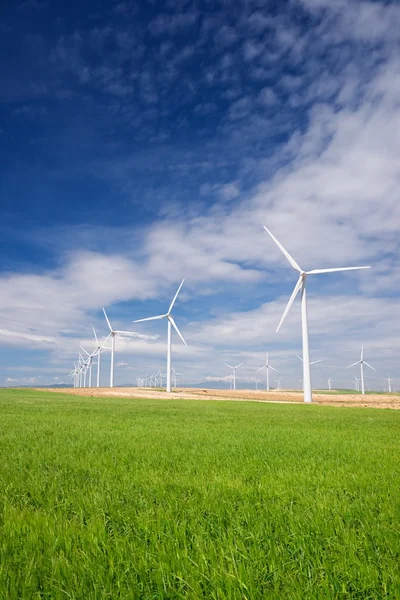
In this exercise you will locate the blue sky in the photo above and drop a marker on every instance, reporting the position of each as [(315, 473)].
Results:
[(142, 143)]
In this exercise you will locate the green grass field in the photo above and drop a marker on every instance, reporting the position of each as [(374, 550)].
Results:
[(139, 499)]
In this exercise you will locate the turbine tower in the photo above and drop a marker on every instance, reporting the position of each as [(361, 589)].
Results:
[(234, 373), (330, 383), (301, 284), (267, 367), (171, 323), (97, 352), (389, 380), (362, 362)]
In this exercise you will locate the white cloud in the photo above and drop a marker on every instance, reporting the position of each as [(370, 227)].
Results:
[(330, 194)]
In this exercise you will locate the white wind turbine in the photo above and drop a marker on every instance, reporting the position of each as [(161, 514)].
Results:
[(389, 380), (278, 381), (89, 364), (82, 369), (99, 349), (267, 367), (330, 383), (171, 323), (234, 373), (113, 333), (301, 284), (79, 371), (362, 362), (174, 377), (74, 375)]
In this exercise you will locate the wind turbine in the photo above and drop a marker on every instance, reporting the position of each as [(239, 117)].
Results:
[(74, 375), (330, 383), (171, 323), (267, 367), (234, 373), (82, 369), (362, 362), (89, 364), (389, 380), (113, 333), (174, 377), (99, 349), (301, 284), (278, 381)]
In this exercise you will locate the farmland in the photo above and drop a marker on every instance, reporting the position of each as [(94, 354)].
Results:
[(117, 497)]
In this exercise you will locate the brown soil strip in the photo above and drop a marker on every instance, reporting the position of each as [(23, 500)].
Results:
[(283, 396)]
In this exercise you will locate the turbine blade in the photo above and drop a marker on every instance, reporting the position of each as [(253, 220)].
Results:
[(150, 319), (95, 336), (134, 334), (85, 351), (276, 370), (299, 357), (108, 322), (316, 361), (175, 297), (354, 364), (362, 351), (131, 333), (174, 325), (365, 363), (291, 300), (285, 252), (230, 366), (106, 339), (261, 368), (317, 271), (237, 366)]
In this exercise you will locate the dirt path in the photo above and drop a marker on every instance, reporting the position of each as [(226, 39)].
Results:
[(283, 396)]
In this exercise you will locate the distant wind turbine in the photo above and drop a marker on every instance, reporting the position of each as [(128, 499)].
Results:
[(389, 380), (89, 365), (267, 367), (174, 377), (330, 383), (362, 362), (301, 284), (82, 368), (171, 323), (99, 349), (234, 373)]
